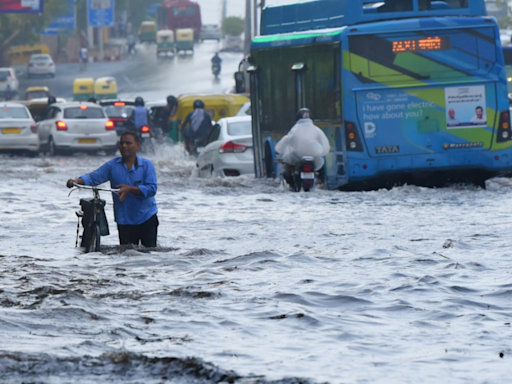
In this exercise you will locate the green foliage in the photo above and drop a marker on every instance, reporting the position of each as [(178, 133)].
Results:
[(233, 26), (27, 27)]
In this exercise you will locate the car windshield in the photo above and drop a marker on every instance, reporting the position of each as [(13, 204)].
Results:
[(13, 113), (113, 111), (240, 128), (85, 113), (4, 74)]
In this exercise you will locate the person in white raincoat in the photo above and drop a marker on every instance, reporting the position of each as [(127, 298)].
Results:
[(304, 139)]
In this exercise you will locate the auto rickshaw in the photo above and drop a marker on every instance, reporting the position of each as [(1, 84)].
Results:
[(36, 92), (83, 89), (217, 106), (105, 88), (147, 32), (38, 106), (165, 42), (185, 40)]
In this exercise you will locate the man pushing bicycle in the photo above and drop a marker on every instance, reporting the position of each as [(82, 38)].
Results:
[(135, 210)]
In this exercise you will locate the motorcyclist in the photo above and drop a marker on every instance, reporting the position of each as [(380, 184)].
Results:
[(199, 125), (166, 113), (304, 139), (216, 60), (140, 116)]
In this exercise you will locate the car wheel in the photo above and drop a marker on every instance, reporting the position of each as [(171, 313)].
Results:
[(111, 152)]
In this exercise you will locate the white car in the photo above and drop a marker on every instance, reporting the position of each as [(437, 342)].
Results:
[(18, 131), (210, 32), (9, 83), (228, 150), (74, 127), (245, 110), (40, 64)]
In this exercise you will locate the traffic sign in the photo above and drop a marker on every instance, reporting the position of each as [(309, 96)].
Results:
[(100, 13)]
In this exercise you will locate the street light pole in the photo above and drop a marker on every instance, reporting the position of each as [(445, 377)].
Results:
[(255, 18), (248, 29)]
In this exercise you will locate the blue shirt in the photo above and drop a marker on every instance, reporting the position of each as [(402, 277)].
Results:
[(135, 209)]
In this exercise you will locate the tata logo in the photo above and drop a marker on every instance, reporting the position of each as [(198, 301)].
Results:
[(373, 96), (387, 149)]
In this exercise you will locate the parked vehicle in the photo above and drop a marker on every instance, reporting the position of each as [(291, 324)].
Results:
[(228, 150), (73, 126), (147, 32), (185, 40), (210, 32), (105, 88), (9, 83), (165, 43), (118, 111), (36, 92), (40, 64), (83, 89), (18, 132)]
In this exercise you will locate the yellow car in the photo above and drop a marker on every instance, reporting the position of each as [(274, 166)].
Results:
[(36, 92)]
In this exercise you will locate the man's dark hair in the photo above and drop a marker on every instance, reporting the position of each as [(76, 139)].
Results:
[(135, 135), (479, 107)]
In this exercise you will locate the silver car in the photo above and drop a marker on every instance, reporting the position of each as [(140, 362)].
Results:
[(18, 131), (75, 127), (210, 32), (228, 150), (40, 64)]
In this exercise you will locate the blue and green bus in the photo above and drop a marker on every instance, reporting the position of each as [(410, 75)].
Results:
[(407, 91)]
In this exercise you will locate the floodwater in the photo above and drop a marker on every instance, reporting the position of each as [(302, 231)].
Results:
[(252, 283)]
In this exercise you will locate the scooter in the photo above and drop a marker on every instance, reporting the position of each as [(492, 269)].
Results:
[(303, 176), (216, 70)]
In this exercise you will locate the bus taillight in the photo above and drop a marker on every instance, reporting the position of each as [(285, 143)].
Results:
[(504, 133), (352, 139)]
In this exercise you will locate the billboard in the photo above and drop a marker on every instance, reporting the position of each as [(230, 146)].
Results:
[(100, 13), (21, 6), (63, 23)]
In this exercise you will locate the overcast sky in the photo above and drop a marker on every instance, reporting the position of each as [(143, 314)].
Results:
[(211, 9)]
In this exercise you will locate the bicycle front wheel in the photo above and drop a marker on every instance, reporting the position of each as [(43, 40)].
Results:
[(93, 244)]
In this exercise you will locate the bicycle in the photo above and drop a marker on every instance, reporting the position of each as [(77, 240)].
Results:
[(94, 220)]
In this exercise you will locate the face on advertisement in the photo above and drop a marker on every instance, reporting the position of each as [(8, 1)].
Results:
[(451, 113), (479, 112)]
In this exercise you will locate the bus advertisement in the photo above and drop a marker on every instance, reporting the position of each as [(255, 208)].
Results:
[(407, 91), (179, 14)]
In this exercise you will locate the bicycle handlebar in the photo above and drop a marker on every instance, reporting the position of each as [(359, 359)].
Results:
[(93, 188)]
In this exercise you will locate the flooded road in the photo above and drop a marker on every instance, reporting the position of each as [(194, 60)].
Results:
[(251, 283)]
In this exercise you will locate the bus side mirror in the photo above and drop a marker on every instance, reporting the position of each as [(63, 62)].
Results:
[(239, 82)]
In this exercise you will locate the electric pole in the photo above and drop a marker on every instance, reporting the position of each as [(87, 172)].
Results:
[(248, 27), (224, 10), (255, 19)]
